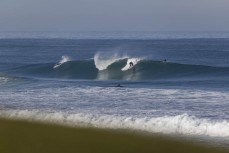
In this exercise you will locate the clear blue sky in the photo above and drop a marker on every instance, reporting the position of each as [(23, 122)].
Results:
[(113, 15)]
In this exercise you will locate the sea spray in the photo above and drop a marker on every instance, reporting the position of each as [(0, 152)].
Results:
[(102, 61), (63, 60)]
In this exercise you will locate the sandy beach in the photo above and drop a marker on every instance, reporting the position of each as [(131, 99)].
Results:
[(29, 137)]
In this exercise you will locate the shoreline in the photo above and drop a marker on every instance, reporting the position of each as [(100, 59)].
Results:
[(26, 136)]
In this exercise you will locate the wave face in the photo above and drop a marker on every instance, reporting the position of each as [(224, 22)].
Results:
[(102, 62), (113, 70)]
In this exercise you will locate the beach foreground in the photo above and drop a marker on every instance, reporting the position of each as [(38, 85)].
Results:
[(27, 137)]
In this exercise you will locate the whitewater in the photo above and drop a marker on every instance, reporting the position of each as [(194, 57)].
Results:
[(73, 82), (123, 109)]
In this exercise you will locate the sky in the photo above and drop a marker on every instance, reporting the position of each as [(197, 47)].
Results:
[(114, 15)]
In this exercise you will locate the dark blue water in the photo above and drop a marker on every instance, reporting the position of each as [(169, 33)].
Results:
[(71, 78)]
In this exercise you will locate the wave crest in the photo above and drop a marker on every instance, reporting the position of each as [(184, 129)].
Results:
[(181, 124), (102, 61), (63, 60)]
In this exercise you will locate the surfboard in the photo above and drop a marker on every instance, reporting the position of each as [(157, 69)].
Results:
[(127, 66), (57, 65)]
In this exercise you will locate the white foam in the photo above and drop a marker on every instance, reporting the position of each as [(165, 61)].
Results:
[(133, 60), (63, 60), (3, 80), (102, 62), (180, 124), (145, 109)]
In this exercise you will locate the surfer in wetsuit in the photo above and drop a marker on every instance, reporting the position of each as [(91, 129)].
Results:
[(119, 85), (131, 64), (164, 61)]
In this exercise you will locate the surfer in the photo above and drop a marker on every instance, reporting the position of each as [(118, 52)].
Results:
[(164, 61), (119, 85), (131, 64)]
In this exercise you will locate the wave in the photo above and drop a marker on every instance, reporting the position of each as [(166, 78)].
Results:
[(102, 62), (117, 68), (181, 124), (63, 60)]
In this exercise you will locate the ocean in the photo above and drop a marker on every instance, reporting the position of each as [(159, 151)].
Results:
[(71, 78)]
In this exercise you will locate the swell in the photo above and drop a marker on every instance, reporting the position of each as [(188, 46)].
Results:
[(143, 70)]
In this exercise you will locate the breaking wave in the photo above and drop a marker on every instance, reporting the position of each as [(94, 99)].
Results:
[(118, 68), (63, 60), (102, 62), (181, 124)]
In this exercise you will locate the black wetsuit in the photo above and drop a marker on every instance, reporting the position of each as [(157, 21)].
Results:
[(119, 85)]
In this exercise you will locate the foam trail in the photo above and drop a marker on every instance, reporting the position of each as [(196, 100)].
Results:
[(181, 124), (64, 59), (133, 60), (102, 62)]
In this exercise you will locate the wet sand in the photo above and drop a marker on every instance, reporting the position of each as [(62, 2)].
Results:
[(32, 137)]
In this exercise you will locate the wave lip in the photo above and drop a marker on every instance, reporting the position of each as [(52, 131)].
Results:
[(181, 124), (101, 63), (63, 60)]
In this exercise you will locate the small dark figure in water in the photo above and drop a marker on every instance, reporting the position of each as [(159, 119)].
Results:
[(164, 61), (131, 64), (119, 85)]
